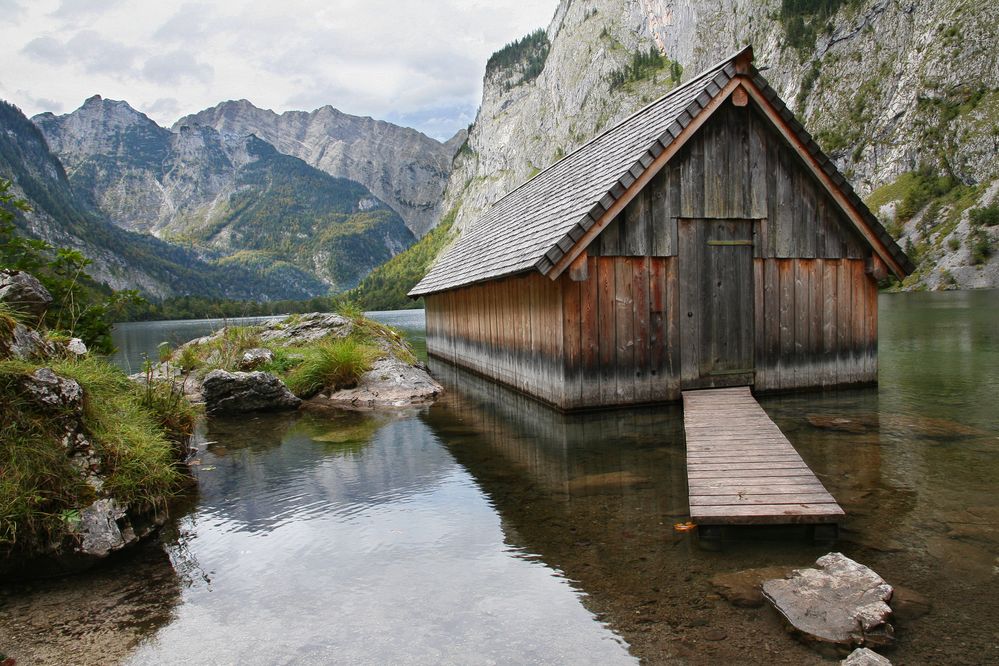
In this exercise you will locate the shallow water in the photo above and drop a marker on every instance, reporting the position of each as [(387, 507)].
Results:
[(489, 529)]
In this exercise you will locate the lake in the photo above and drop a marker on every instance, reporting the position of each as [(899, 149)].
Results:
[(489, 529)]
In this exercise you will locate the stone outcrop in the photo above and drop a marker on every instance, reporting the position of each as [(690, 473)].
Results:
[(390, 383), (841, 602), (307, 328), (50, 391), (24, 294), (236, 392)]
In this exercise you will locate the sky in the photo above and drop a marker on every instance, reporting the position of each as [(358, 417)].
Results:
[(413, 63)]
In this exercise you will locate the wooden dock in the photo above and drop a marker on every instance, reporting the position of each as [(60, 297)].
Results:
[(742, 470)]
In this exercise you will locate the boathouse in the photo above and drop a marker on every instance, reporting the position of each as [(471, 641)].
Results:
[(704, 242)]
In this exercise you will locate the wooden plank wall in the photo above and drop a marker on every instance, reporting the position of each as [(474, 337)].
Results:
[(737, 166), (818, 319), (621, 335), (508, 329)]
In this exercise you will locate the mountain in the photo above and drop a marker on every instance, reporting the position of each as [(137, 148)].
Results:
[(404, 168), (122, 259), (232, 197), (904, 96)]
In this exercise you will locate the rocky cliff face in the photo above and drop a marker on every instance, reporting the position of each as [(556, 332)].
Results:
[(402, 167), (232, 196), (886, 87)]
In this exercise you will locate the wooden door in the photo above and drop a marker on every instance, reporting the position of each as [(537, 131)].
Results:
[(716, 302)]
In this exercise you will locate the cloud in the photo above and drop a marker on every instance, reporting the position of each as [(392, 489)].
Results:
[(41, 103), (87, 49), (176, 66), (164, 107), (190, 24), (11, 10), (72, 9), (419, 63), (46, 49)]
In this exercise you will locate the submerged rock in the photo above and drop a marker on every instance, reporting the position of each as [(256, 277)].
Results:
[(745, 588), (908, 605), (865, 657), (391, 382), (254, 358), (236, 392), (24, 294), (836, 423), (841, 602)]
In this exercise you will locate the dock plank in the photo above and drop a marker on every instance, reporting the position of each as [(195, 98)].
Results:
[(741, 469)]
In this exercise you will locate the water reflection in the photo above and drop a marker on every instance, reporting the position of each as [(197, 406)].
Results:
[(385, 552)]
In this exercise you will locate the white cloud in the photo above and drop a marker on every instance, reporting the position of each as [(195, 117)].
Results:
[(417, 63)]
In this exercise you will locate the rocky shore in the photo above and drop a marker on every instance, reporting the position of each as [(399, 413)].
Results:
[(247, 369)]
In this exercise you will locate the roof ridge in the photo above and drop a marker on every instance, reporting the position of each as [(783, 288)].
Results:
[(669, 93)]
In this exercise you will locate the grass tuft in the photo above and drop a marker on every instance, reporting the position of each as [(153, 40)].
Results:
[(333, 364)]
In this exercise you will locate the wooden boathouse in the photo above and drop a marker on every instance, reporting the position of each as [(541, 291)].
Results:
[(704, 242)]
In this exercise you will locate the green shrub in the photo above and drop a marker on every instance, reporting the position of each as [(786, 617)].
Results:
[(642, 66), (333, 364), (188, 359), (953, 243), (987, 216), (980, 245)]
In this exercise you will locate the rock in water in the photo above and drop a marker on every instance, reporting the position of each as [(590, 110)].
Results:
[(841, 602), (390, 383), (24, 294), (256, 357), (865, 657), (235, 392)]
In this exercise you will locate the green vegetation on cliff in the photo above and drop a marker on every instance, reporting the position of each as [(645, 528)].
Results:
[(385, 288), (645, 65), (521, 60)]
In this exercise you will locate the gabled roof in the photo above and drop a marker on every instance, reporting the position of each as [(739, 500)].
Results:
[(542, 223)]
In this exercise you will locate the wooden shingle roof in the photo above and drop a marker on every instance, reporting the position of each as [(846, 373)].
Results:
[(535, 225)]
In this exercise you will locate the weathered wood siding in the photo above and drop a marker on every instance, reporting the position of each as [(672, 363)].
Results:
[(618, 336), (508, 329)]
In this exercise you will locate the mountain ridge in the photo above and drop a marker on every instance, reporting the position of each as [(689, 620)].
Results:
[(231, 197)]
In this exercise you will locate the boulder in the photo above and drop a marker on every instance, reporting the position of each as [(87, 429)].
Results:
[(254, 358), (24, 294), (236, 392), (865, 657), (841, 602), (391, 382), (49, 390)]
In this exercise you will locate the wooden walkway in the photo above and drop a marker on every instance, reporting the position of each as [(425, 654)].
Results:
[(742, 470)]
